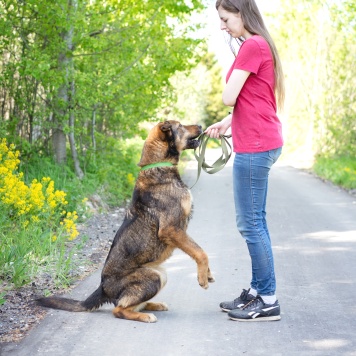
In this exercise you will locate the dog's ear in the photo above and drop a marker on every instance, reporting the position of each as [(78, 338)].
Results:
[(166, 126)]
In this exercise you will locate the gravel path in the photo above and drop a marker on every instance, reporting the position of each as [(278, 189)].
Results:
[(18, 315)]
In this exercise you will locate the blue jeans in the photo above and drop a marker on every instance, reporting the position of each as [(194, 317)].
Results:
[(250, 183)]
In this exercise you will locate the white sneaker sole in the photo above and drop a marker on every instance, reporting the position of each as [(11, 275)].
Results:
[(262, 318)]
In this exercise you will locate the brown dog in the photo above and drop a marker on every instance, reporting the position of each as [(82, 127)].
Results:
[(155, 224)]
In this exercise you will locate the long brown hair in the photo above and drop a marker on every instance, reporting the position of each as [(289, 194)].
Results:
[(253, 23)]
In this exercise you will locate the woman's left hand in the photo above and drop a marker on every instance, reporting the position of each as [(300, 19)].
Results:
[(219, 128)]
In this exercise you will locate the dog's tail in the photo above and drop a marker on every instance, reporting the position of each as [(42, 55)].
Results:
[(94, 301)]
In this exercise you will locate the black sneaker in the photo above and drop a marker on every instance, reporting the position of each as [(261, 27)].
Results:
[(239, 302), (257, 310)]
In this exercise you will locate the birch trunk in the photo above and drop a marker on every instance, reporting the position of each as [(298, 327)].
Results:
[(67, 95)]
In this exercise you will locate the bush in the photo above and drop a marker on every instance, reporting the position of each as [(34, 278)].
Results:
[(34, 219)]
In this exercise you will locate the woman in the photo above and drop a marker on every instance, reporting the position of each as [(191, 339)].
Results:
[(254, 86)]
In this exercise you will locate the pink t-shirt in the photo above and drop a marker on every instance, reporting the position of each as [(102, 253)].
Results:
[(255, 126)]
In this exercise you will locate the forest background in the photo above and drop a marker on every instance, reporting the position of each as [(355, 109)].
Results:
[(82, 80)]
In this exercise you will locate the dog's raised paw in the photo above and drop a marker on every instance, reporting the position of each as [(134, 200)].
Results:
[(204, 285)]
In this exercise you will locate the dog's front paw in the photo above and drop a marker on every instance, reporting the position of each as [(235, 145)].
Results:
[(203, 282), (205, 286)]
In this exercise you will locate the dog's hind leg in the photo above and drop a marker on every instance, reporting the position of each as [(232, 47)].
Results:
[(137, 288), (130, 314), (158, 306)]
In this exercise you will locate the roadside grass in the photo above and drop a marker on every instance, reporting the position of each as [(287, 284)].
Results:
[(26, 253), (338, 170)]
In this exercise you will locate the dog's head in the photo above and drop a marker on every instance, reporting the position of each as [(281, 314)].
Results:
[(167, 140), (179, 137)]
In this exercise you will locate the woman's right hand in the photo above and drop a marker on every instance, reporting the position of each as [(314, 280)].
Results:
[(219, 128)]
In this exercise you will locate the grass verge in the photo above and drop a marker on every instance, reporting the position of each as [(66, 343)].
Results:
[(338, 170)]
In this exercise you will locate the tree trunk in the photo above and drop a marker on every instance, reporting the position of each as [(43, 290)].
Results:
[(93, 123), (65, 63), (58, 135), (59, 145), (78, 171), (72, 4)]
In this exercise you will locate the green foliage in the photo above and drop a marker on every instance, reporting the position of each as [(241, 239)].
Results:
[(198, 94), (320, 68), (115, 168), (76, 58), (340, 170)]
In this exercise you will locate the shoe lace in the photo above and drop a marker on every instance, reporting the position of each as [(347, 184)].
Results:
[(242, 296), (253, 302)]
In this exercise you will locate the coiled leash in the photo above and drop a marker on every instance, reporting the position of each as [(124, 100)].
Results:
[(220, 163)]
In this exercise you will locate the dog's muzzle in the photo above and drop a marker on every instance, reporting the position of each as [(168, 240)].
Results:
[(193, 143)]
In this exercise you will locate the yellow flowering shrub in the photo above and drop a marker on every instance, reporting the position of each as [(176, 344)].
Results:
[(37, 203)]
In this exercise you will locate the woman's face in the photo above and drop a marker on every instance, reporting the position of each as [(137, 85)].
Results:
[(231, 23)]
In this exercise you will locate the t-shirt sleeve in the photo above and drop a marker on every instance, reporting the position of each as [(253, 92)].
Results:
[(249, 57)]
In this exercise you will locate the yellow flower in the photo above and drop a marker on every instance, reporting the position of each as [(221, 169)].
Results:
[(69, 225), (36, 203), (35, 218), (131, 179)]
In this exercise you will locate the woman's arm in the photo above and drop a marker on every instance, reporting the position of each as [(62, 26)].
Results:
[(233, 87), (231, 92)]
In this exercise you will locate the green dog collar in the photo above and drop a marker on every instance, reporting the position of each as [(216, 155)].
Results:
[(158, 164)]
